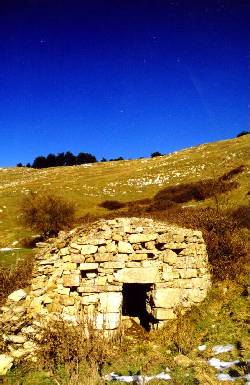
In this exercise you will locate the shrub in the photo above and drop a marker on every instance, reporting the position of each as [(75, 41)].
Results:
[(30, 242), (15, 277), (161, 204), (241, 216), (66, 344), (235, 171), (46, 213), (198, 191), (112, 205)]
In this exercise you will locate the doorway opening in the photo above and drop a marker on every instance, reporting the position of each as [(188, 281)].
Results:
[(137, 303)]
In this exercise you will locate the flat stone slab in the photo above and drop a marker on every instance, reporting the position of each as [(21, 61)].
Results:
[(88, 266), (167, 297), (17, 295), (138, 238), (98, 288), (138, 275)]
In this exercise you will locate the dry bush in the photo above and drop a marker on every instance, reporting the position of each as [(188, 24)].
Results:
[(161, 204), (235, 171), (180, 334), (15, 277), (112, 205), (241, 216), (46, 213), (30, 242), (198, 191), (86, 220), (70, 345)]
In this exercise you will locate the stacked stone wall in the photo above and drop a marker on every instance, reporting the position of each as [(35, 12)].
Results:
[(81, 275)]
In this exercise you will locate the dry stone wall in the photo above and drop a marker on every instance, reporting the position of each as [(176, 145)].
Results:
[(104, 274)]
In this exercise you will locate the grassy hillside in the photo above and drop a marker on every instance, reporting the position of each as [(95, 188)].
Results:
[(185, 347), (89, 185)]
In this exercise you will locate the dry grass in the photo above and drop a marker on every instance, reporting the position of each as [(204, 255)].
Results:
[(66, 344), (123, 181), (16, 276)]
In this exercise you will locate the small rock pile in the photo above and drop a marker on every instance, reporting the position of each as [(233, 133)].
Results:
[(82, 274)]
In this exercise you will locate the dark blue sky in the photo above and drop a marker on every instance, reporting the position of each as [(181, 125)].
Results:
[(120, 78)]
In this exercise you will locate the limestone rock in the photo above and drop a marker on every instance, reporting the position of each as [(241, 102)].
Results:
[(125, 247), (107, 321), (169, 257), (138, 275), (167, 297), (88, 266), (88, 249), (88, 299), (17, 295), (164, 314), (6, 363), (139, 238), (110, 302), (71, 280), (137, 257), (16, 339)]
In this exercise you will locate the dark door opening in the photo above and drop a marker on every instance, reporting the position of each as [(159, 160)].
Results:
[(136, 303)]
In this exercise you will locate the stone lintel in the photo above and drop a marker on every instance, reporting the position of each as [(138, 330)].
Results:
[(138, 275), (98, 288)]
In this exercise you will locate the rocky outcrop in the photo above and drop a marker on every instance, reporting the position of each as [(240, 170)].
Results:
[(102, 274)]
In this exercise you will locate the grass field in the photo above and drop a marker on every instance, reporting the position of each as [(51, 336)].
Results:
[(89, 185)]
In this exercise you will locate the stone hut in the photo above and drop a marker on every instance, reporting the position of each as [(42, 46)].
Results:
[(119, 268)]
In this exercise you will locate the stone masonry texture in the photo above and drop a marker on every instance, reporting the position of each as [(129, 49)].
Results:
[(80, 275)]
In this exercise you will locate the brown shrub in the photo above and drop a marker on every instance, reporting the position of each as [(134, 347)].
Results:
[(30, 242), (161, 204), (15, 277), (46, 213), (241, 216), (198, 191), (86, 219), (66, 344), (112, 205), (235, 171)]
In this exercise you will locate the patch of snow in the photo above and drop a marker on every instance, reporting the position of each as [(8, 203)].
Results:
[(201, 348), (139, 379), (226, 377), (223, 348), (221, 365), (9, 248)]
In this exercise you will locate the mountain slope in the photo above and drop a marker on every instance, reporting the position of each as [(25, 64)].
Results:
[(89, 185)]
